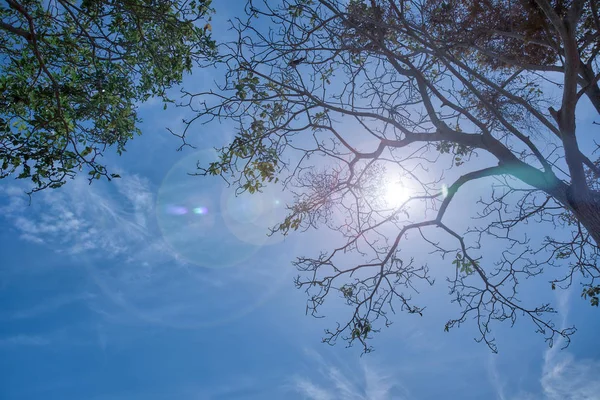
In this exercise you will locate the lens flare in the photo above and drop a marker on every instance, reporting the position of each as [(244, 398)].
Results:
[(444, 190), (176, 210), (200, 210), (191, 219), (250, 216)]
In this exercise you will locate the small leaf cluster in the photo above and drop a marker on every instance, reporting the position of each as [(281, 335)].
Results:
[(293, 221), (464, 264), (249, 83), (361, 329), (251, 149), (593, 293), (460, 152), (347, 291)]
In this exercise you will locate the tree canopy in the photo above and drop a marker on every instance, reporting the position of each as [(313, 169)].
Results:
[(342, 100), (73, 73)]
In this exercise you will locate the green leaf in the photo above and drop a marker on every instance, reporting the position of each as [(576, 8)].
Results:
[(86, 151), (84, 99)]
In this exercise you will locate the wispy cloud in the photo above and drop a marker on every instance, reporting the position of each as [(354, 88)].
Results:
[(81, 217), (312, 391), (110, 230), (24, 340), (566, 378), (366, 382), (49, 305), (495, 378), (563, 376)]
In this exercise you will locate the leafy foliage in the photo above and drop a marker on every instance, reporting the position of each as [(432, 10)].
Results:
[(593, 293), (72, 75)]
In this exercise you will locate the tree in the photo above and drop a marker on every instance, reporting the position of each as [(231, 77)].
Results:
[(436, 95), (518, 35), (73, 73)]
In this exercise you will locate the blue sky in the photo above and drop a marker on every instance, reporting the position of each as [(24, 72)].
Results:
[(157, 286), (98, 303)]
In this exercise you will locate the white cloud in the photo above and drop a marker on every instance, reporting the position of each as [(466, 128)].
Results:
[(110, 230), (74, 220), (567, 378), (79, 217), (563, 376), (366, 382)]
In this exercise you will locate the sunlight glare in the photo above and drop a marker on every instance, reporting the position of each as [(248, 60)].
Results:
[(395, 194)]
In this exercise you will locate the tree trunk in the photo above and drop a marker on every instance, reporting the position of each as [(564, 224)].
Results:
[(594, 95), (586, 209), (593, 92)]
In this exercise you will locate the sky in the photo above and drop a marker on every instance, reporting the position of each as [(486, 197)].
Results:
[(158, 286)]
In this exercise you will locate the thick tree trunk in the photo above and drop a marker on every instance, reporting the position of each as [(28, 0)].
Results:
[(593, 92), (586, 209), (594, 95)]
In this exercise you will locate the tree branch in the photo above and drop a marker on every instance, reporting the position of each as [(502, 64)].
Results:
[(17, 31)]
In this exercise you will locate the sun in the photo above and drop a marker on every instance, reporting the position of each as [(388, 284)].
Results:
[(395, 193)]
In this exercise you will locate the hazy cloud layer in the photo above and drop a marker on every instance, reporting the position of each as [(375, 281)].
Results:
[(337, 382), (110, 231)]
